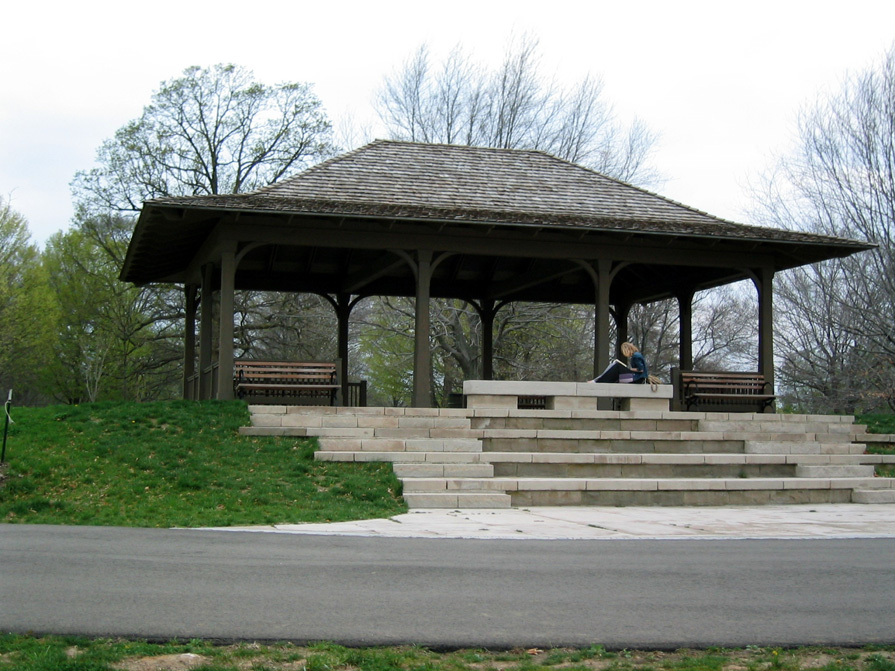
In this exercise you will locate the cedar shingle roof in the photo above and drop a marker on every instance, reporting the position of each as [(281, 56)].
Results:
[(487, 198), (408, 180)]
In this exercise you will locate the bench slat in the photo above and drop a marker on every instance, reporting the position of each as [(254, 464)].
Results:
[(276, 376), (283, 378), (287, 386), (723, 387)]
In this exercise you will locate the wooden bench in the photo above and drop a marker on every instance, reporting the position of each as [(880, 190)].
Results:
[(723, 389), (277, 381)]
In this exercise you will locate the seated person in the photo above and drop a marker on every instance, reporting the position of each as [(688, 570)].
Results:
[(635, 372)]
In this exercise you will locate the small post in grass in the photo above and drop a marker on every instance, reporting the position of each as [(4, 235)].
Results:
[(6, 407)]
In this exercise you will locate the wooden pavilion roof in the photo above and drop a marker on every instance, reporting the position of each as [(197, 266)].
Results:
[(513, 224)]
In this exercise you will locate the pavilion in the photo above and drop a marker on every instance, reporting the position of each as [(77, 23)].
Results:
[(484, 225)]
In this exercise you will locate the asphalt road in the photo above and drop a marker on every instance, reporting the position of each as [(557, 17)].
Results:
[(161, 584)]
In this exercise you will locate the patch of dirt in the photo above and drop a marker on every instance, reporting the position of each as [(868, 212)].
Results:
[(758, 659), (181, 662)]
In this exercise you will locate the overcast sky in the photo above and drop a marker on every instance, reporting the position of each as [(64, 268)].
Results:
[(719, 81)]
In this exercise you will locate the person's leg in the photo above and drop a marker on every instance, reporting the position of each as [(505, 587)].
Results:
[(611, 373)]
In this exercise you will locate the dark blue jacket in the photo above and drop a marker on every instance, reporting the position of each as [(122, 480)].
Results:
[(637, 361)]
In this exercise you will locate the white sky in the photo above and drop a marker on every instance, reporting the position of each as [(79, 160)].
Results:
[(719, 81)]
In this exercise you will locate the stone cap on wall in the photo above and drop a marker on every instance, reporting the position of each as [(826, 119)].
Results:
[(591, 389)]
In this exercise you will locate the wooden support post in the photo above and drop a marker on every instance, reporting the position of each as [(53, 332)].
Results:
[(225, 341), (343, 307), (206, 321), (685, 317), (764, 283), (622, 310), (189, 340), (422, 356), (601, 316), (487, 313)]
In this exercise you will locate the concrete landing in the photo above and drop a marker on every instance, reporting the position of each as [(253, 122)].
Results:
[(574, 523)]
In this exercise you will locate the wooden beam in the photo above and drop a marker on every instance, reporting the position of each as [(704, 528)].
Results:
[(510, 287), (561, 246), (359, 280)]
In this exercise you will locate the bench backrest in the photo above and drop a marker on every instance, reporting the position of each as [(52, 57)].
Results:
[(308, 372), (722, 382)]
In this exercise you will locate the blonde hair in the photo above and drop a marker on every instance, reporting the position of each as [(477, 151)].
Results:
[(628, 348)]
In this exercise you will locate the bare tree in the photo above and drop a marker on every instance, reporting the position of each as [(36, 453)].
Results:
[(722, 338), (817, 358), (513, 107), (839, 179)]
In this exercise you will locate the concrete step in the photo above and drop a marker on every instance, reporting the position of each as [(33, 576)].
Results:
[(599, 458), (881, 459), (577, 423), (436, 470), (457, 500), (272, 431), (730, 418), (783, 424), (327, 417), (512, 484), (689, 492), (406, 433), (445, 484), (497, 458), (879, 438), (401, 457), (802, 447), (317, 410), (645, 469), (683, 458), (873, 496), (613, 446), (399, 445), (834, 471), (653, 491), (680, 497)]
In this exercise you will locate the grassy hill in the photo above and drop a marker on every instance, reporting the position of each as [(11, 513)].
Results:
[(176, 463), (183, 463)]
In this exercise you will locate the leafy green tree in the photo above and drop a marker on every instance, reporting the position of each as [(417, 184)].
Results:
[(114, 341), (27, 309), (213, 130), (385, 338), (210, 131)]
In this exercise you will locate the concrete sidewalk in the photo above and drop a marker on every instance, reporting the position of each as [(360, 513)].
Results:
[(845, 520)]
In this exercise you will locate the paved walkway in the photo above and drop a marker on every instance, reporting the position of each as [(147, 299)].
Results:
[(793, 521)]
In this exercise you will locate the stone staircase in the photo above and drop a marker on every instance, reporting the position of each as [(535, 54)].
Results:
[(500, 458)]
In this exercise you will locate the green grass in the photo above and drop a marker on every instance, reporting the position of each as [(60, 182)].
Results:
[(57, 653), (181, 463), (176, 463), (878, 423)]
